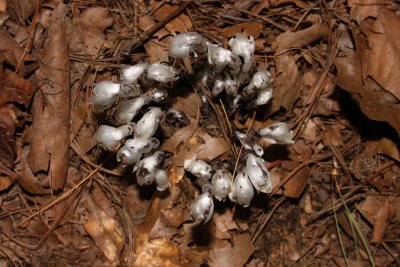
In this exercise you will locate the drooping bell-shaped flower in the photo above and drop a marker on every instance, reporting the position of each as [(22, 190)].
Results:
[(176, 116), (161, 179), (244, 47), (127, 156), (278, 132), (131, 74), (104, 95), (220, 57), (202, 207), (161, 73), (148, 124), (128, 109), (108, 136), (242, 192), (258, 174), (133, 149), (146, 168), (182, 45), (264, 96), (261, 80), (198, 168), (221, 184)]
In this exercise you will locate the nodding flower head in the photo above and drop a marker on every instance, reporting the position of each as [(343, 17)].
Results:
[(242, 192), (161, 179), (108, 136), (131, 74), (182, 45), (244, 47), (128, 109), (146, 168), (221, 184), (202, 208), (278, 132), (161, 73), (148, 124), (258, 173), (198, 168), (104, 95)]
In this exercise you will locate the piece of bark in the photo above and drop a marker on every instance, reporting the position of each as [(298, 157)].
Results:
[(49, 147)]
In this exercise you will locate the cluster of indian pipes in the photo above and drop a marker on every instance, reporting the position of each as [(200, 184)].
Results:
[(229, 73)]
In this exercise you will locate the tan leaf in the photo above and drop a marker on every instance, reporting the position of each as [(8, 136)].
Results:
[(104, 230)]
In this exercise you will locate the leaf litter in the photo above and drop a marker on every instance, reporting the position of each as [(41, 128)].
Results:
[(335, 190)]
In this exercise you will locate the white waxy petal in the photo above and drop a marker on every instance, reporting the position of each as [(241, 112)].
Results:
[(221, 184), (220, 57), (148, 124), (161, 73), (104, 95), (128, 156), (202, 208), (258, 174), (131, 74), (242, 192), (198, 168), (244, 47), (258, 150), (162, 181), (278, 132), (128, 109), (108, 136), (261, 80), (264, 96), (181, 45), (146, 168)]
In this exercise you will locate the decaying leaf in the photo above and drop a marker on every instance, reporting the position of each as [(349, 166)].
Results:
[(235, 255), (294, 187), (49, 152), (159, 252), (104, 230)]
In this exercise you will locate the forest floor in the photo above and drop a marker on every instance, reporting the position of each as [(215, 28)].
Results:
[(65, 201)]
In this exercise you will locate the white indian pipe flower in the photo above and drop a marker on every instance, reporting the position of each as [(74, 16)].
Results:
[(220, 57), (104, 95), (264, 96), (148, 124), (181, 45), (278, 132), (146, 168), (198, 168), (133, 149), (158, 95), (244, 47), (127, 156), (128, 109), (161, 179), (242, 191), (131, 74), (221, 184), (108, 136), (161, 73), (258, 174), (202, 208), (258, 149), (261, 80), (144, 145)]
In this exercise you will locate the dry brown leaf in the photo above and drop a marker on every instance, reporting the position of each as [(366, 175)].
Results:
[(104, 230), (253, 28), (235, 255), (181, 23), (389, 148), (49, 152), (159, 252), (381, 60), (14, 88), (13, 53), (381, 221), (294, 187), (87, 31), (5, 182), (287, 73), (8, 122), (156, 48)]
